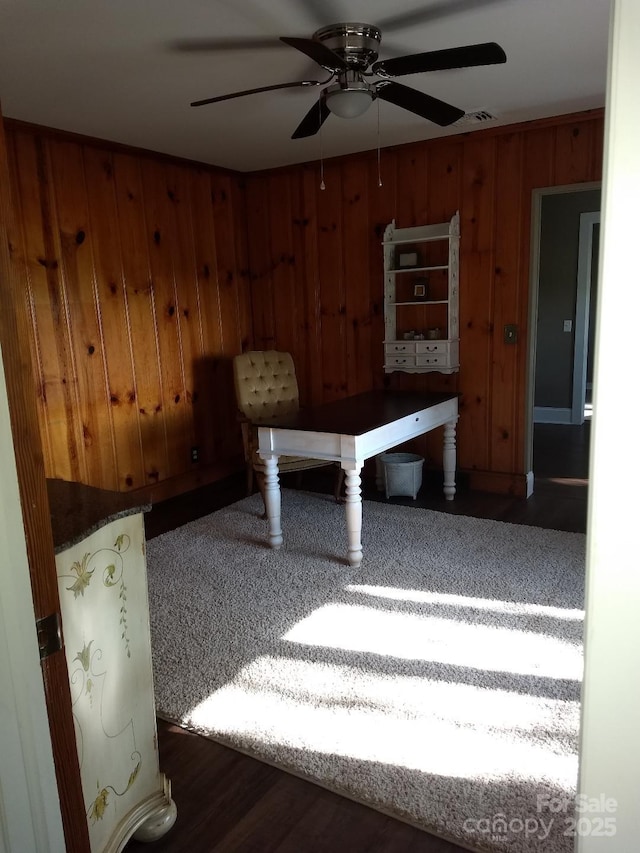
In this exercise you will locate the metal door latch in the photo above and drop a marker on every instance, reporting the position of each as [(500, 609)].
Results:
[(49, 630)]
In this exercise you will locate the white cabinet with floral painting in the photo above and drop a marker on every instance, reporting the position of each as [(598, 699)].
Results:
[(421, 291), (102, 582)]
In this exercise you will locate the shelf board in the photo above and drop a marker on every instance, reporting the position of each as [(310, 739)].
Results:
[(421, 269), (409, 241), (423, 302)]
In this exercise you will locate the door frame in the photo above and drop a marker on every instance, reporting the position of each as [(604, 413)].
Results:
[(534, 283), (581, 327), (29, 804)]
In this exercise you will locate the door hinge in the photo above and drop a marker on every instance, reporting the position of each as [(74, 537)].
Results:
[(49, 630)]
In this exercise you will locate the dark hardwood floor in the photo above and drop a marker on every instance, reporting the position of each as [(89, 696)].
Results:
[(229, 802)]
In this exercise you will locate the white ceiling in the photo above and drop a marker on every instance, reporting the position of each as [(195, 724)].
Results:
[(118, 70)]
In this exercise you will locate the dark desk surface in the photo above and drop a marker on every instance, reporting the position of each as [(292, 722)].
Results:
[(358, 414), (78, 510)]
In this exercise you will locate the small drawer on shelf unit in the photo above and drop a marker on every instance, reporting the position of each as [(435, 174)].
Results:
[(432, 347), (400, 361), (433, 360), (399, 347)]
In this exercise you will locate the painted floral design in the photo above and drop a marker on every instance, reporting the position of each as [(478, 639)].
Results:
[(113, 575), (83, 576), (99, 805)]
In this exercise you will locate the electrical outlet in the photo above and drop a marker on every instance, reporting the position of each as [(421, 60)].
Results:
[(195, 453)]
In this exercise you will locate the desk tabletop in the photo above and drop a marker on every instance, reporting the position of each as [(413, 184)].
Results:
[(360, 413)]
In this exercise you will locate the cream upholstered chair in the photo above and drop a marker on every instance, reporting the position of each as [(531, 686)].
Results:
[(266, 387)]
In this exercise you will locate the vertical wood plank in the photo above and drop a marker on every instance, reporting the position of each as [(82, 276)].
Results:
[(282, 262), (188, 308), (139, 291), (19, 257), (79, 282), (411, 186), (261, 288), (229, 284), (208, 433), (299, 226), (476, 301), (504, 373), (357, 275), (312, 307), (597, 153), (572, 153), (332, 285), (239, 227), (51, 329), (156, 189), (113, 311)]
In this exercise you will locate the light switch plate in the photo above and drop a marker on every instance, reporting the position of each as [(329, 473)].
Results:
[(567, 325), (510, 333)]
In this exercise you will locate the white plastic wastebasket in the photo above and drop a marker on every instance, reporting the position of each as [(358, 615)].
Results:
[(402, 473)]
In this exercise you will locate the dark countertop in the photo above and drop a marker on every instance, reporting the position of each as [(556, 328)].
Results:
[(77, 510)]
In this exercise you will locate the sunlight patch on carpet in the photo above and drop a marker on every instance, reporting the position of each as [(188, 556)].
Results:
[(302, 705), (448, 641), (428, 597)]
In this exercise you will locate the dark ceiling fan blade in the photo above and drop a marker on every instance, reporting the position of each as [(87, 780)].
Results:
[(253, 92), (313, 120), (488, 53), (319, 52), (432, 12), (417, 102)]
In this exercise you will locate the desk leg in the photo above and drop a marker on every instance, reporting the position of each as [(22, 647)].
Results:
[(449, 459), (272, 500), (353, 509)]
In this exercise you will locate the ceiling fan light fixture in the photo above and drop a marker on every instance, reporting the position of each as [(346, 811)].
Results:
[(349, 99)]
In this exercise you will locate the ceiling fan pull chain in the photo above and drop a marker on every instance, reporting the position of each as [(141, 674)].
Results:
[(379, 175)]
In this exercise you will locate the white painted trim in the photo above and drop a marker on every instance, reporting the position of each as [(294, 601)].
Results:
[(610, 697), (534, 283), (29, 806), (581, 326), (551, 415), (530, 481)]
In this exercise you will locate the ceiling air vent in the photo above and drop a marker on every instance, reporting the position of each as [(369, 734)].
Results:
[(476, 117)]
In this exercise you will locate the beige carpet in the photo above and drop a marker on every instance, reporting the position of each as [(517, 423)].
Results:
[(439, 682)]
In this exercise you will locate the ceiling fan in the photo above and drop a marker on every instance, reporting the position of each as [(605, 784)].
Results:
[(348, 51)]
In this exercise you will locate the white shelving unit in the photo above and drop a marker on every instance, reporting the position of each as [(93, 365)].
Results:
[(421, 319)]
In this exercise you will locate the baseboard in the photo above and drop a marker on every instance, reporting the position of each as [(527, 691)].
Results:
[(551, 415), (499, 483)]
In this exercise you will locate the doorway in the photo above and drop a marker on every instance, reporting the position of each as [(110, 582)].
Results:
[(565, 231)]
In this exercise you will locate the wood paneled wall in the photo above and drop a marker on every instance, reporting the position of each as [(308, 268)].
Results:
[(317, 280), (137, 285), (145, 275)]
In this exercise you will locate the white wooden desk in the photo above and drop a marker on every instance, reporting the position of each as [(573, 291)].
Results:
[(349, 431)]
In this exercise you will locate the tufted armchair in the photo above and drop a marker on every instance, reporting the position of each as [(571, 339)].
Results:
[(266, 386)]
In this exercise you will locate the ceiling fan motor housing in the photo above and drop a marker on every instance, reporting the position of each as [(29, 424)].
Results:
[(357, 44)]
